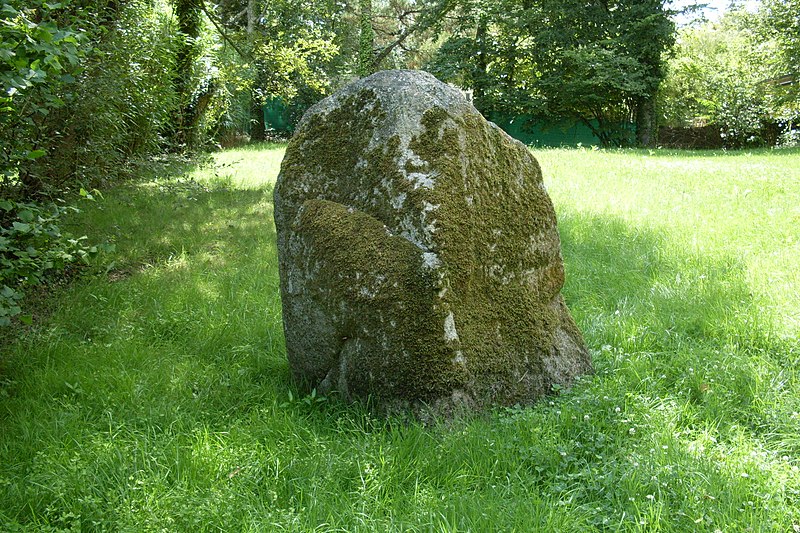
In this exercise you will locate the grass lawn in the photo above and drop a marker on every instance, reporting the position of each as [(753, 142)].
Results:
[(154, 395)]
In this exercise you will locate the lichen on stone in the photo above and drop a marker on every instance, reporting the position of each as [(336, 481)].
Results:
[(419, 255)]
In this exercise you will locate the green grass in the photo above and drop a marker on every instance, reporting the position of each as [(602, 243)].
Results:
[(155, 396)]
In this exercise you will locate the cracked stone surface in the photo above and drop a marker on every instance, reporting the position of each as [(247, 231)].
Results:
[(420, 262)]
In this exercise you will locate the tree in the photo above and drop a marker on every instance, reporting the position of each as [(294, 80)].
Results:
[(598, 61), (602, 62), (781, 24), (402, 21), (782, 20), (489, 49), (188, 14), (272, 50), (297, 53), (39, 59), (721, 75), (647, 35)]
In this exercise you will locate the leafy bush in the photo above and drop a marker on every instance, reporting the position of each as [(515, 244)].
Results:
[(726, 74), (32, 246), (120, 105), (84, 88), (789, 139), (38, 59)]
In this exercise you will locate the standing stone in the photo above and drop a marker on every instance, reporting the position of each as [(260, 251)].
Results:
[(420, 263)]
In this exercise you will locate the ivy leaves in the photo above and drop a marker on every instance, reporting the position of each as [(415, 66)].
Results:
[(31, 246), (37, 58)]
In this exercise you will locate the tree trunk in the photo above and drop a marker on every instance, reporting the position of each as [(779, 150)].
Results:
[(251, 17), (479, 74), (257, 129), (646, 122), (188, 14)]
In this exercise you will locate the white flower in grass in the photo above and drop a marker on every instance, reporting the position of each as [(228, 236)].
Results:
[(651, 497), (745, 474), (586, 418), (632, 431), (617, 409)]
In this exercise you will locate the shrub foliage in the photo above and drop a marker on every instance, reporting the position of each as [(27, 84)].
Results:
[(32, 245)]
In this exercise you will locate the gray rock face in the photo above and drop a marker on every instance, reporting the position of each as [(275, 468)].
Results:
[(420, 263)]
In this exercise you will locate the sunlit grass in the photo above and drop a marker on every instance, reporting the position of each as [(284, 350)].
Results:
[(154, 395), (249, 167), (740, 205)]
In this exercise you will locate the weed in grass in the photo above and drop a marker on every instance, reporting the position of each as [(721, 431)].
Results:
[(157, 396)]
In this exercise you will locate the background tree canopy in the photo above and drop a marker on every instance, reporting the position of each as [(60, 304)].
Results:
[(90, 86), (93, 88), (739, 74), (599, 62)]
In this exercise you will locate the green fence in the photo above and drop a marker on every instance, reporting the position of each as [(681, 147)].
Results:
[(277, 116), (530, 130), (549, 133)]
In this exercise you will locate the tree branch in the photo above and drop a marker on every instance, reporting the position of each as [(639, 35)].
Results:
[(222, 32), (421, 24)]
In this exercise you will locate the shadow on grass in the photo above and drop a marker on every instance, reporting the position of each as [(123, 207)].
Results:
[(634, 289), (171, 369), (185, 320), (669, 323)]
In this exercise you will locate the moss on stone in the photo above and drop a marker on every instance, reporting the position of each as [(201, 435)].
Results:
[(505, 326), (428, 257), (380, 281)]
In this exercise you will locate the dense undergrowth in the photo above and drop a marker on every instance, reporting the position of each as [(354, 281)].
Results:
[(154, 394)]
